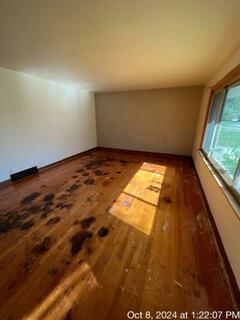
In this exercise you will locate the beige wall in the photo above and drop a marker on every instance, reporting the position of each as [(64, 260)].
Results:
[(227, 221), (162, 120), (42, 122)]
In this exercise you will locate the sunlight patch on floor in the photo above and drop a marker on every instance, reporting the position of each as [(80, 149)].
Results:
[(61, 299), (137, 204)]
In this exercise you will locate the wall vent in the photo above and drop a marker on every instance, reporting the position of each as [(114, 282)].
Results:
[(23, 174)]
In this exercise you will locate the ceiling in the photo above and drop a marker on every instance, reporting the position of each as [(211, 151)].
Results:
[(106, 45)]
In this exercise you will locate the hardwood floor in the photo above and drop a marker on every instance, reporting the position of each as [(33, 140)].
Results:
[(106, 233)]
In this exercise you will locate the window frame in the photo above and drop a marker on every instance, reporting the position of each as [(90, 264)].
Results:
[(232, 79)]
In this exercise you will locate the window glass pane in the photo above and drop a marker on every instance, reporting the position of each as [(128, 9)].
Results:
[(215, 109), (237, 179), (226, 145)]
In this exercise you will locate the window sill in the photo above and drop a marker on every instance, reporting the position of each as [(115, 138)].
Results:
[(222, 185)]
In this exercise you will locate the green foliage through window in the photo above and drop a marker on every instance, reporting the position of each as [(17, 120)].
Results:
[(222, 136)]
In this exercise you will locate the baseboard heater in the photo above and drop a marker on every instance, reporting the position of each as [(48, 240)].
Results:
[(24, 173)]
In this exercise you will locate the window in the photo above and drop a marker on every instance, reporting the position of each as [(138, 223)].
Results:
[(221, 143)]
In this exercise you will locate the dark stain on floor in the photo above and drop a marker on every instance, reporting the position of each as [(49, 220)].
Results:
[(153, 188), (49, 197), (36, 209), (27, 225), (10, 214), (106, 183), (73, 187), (167, 199), (119, 172), (46, 210), (53, 271), (85, 223), (85, 174), (12, 219), (62, 205), (124, 161), (53, 220), (103, 232), (4, 226), (22, 215), (43, 246), (89, 181), (98, 172), (78, 240), (80, 170), (30, 198), (94, 164)]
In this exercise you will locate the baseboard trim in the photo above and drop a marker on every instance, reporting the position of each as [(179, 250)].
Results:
[(9, 182), (56, 163), (67, 159), (227, 265), (148, 153)]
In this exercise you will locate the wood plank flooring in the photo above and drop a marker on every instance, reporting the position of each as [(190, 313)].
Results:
[(106, 233)]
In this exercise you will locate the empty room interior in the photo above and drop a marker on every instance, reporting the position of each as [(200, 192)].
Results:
[(119, 159)]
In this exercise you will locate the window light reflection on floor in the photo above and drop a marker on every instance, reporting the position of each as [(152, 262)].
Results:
[(137, 204)]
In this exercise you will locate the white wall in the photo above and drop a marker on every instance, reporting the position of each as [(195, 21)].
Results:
[(42, 122), (161, 120), (225, 216)]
